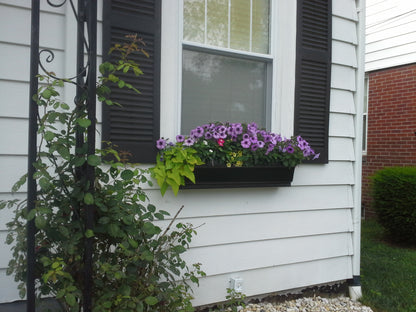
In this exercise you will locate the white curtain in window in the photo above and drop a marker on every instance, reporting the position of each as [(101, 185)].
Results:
[(222, 88)]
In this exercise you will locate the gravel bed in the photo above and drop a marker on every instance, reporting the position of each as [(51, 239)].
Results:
[(309, 304)]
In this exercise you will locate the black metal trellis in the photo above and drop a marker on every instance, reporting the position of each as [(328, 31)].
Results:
[(32, 147), (86, 15)]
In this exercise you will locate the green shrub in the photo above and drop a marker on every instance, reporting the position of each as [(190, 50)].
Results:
[(394, 200)]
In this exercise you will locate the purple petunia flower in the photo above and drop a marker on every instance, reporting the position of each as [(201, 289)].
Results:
[(253, 139), (189, 142), (246, 136), (221, 129), (263, 133), (254, 147), (252, 126), (161, 144), (316, 156), (245, 143), (290, 149), (198, 132), (303, 145), (208, 135), (216, 135), (260, 144), (180, 138), (270, 148), (238, 129)]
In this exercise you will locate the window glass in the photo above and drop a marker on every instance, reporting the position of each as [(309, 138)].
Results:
[(260, 26), (240, 25), (236, 24), (220, 84), (221, 88), (194, 21)]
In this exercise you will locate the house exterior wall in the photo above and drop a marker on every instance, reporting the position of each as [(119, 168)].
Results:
[(391, 136), (275, 239), (390, 33)]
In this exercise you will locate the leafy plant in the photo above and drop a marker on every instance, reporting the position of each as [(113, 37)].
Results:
[(225, 145), (235, 301), (136, 265), (172, 168)]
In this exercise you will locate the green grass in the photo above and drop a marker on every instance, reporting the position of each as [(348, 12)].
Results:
[(388, 272)]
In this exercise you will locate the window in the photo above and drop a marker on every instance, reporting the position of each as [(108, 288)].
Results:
[(271, 60), (226, 62), (365, 115)]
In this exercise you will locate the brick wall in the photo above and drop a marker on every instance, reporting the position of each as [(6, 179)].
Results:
[(391, 123)]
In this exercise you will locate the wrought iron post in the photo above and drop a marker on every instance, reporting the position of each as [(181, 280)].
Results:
[(86, 91), (80, 77), (91, 109), (32, 149)]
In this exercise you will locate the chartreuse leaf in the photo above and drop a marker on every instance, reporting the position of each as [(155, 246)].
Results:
[(89, 233), (187, 172)]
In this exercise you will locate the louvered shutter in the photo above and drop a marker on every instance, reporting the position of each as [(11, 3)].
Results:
[(134, 127), (313, 73)]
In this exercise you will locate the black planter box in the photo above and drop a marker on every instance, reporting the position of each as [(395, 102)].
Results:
[(235, 177)]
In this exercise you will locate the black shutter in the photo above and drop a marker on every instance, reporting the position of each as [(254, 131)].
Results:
[(313, 73), (134, 127)]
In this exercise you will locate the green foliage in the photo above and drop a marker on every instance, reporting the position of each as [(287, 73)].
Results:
[(234, 302), (137, 266), (178, 163), (394, 200), (388, 272)]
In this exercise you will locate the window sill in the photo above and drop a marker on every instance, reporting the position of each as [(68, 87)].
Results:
[(238, 177)]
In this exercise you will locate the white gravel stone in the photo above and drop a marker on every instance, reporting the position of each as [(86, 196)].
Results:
[(311, 304)]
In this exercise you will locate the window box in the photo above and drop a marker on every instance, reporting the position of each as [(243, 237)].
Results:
[(236, 177)]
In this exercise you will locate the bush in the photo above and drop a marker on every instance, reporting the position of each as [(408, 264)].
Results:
[(394, 200)]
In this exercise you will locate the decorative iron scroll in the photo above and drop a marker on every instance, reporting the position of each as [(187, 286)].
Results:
[(80, 18)]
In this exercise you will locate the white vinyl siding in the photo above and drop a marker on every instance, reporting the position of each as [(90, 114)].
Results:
[(390, 33)]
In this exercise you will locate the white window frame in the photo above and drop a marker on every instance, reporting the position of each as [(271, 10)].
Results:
[(283, 55)]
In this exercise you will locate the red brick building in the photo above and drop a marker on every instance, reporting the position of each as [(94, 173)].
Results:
[(391, 118)]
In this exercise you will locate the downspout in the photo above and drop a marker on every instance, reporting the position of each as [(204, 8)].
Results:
[(355, 284)]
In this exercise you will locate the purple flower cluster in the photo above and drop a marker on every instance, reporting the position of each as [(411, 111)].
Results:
[(223, 141)]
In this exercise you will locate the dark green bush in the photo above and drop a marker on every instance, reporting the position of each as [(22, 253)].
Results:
[(394, 200)]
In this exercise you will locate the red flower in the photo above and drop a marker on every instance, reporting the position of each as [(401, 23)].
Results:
[(220, 142)]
